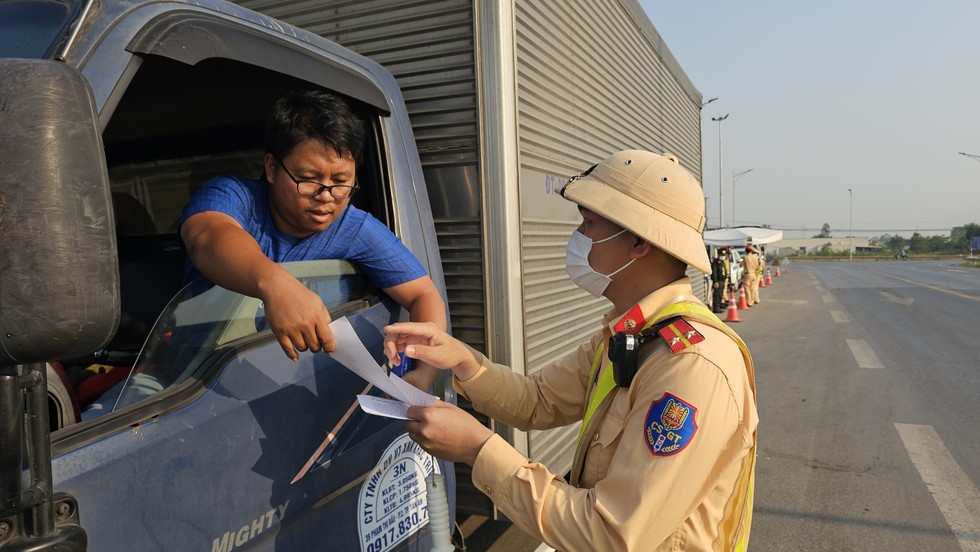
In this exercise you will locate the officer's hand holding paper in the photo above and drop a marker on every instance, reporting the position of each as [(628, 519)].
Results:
[(429, 344), (443, 430), (351, 353)]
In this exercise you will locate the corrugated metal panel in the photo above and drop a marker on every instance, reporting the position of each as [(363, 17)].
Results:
[(462, 265), (590, 82), (426, 44), (559, 313)]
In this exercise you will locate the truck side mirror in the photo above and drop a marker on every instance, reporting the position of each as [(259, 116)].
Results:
[(59, 276)]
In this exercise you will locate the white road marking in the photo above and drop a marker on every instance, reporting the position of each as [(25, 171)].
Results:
[(936, 288), (820, 289), (827, 298), (863, 354), (951, 488), (794, 302), (840, 317), (896, 299)]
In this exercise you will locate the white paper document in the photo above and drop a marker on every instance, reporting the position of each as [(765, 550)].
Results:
[(351, 353), (389, 408)]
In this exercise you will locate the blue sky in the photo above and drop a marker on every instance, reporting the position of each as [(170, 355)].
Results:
[(875, 96)]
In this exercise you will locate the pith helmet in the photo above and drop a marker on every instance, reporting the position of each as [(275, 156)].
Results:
[(650, 195)]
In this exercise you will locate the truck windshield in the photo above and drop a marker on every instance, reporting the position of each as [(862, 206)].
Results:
[(33, 28)]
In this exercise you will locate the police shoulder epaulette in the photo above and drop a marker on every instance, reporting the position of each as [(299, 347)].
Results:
[(678, 334)]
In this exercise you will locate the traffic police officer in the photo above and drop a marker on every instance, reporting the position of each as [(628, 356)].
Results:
[(666, 451), (752, 271), (719, 280)]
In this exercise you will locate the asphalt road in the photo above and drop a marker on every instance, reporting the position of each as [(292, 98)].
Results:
[(868, 380)]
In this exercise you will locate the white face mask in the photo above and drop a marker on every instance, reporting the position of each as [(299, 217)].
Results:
[(578, 267)]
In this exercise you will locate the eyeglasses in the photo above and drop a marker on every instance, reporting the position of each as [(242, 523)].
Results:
[(314, 188)]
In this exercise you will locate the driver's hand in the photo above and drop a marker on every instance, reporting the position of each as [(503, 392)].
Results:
[(298, 318)]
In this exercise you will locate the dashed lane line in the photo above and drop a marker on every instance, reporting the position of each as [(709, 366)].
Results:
[(951, 488), (896, 299), (840, 316), (863, 354)]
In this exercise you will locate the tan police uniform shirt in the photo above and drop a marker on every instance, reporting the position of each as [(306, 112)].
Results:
[(629, 497), (752, 263)]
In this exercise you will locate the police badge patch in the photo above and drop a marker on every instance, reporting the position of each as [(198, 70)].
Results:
[(670, 425)]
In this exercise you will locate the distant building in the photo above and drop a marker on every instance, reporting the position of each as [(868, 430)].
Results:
[(808, 246)]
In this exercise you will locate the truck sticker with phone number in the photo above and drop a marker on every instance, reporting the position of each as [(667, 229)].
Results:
[(392, 504)]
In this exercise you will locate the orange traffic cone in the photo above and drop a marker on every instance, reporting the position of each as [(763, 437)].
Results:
[(733, 309), (762, 281), (768, 277), (742, 302), (777, 271)]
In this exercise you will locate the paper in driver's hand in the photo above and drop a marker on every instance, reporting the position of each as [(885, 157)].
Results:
[(390, 408), (351, 353)]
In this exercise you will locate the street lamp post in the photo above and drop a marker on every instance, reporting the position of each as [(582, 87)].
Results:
[(721, 195), (850, 231), (706, 197), (734, 178), (971, 156)]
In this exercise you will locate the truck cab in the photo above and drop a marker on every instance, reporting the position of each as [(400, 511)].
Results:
[(175, 420)]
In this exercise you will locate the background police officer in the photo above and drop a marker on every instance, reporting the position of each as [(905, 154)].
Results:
[(752, 271), (719, 280)]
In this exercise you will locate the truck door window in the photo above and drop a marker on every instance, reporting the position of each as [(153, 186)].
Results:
[(175, 127)]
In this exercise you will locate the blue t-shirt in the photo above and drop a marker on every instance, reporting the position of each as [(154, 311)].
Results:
[(356, 236)]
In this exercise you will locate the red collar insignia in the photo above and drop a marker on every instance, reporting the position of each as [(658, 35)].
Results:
[(632, 322)]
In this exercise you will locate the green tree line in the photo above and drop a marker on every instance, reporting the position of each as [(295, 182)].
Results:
[(958, 242)]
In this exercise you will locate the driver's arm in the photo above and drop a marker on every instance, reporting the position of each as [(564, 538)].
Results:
[(226, 254)]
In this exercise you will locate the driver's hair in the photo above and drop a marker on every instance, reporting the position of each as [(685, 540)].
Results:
[(315, 114)]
